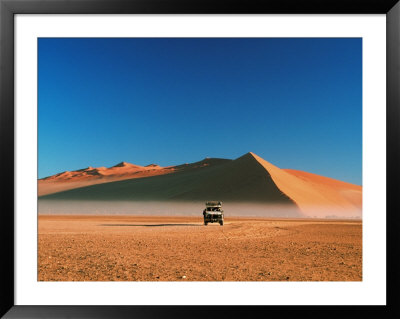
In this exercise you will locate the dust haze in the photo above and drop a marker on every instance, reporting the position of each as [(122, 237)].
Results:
[(168, 208), (153, 208)]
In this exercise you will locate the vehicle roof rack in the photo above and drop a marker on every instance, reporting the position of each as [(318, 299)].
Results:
[(214, 203)]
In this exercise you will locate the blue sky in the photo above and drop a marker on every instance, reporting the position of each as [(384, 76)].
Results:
[(297, 103)]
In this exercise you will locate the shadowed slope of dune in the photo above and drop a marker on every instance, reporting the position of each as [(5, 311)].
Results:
[(243, 179)]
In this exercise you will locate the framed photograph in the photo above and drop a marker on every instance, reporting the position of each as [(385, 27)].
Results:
[(166, 158)]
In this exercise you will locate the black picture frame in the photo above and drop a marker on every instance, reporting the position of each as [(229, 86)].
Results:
[(8, 8)]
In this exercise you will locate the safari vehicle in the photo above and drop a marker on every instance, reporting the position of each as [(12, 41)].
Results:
[(213, 213)]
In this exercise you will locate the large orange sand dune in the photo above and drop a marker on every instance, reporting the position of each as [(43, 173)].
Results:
[(248, 178)]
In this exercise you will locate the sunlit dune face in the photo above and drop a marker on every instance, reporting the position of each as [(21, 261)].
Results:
[(316, 195)]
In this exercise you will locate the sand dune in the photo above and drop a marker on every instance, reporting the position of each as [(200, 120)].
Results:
[(247, 179)]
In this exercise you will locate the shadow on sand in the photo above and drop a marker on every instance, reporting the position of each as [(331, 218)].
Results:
[(150, 225)]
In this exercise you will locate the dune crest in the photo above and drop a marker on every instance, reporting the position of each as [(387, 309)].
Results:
[(91, 176)]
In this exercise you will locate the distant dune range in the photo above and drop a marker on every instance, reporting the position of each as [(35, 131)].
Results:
[(248, 178)]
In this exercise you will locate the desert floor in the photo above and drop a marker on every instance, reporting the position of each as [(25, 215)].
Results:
[(148, 248)]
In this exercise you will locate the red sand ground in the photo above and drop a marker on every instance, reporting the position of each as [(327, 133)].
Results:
[(132, 248)]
